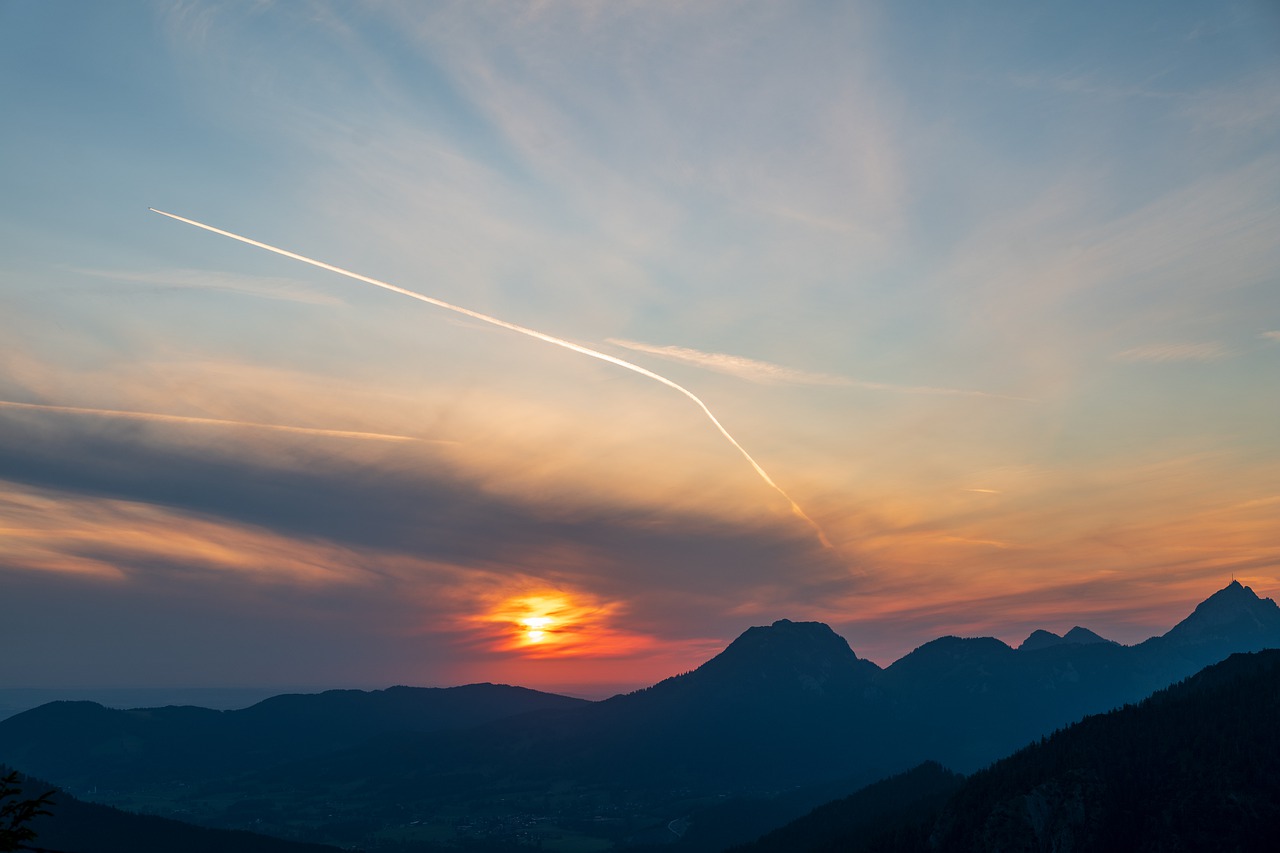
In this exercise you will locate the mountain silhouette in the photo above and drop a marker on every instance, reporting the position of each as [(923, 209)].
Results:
[(786, 656), (787, 661), (1234, 614), (81, 743), (1040, 639), (1191, 768)]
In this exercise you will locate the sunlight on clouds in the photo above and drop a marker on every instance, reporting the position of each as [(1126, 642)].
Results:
[(202, 394), (552, 622), (614, 441), (119, 540), (158, 417)]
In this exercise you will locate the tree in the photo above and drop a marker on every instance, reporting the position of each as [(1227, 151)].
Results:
[(16, 813)]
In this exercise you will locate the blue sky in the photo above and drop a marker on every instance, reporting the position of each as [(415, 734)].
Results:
[(991, 290)]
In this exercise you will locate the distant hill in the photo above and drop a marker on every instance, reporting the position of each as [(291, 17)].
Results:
[(1192, 768), (82, 744)]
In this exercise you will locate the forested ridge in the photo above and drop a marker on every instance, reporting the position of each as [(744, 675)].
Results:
[(1191, 768)]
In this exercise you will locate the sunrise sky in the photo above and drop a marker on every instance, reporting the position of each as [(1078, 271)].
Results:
[(990, 290)]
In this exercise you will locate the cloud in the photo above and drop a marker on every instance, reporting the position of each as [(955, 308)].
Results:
[(1158, 353), (396, 503), (1271, 336), (767, 373), (158, 417), (263, 287), (120, 540), (735, 365)]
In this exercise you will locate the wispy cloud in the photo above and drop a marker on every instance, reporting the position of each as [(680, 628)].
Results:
[(1271, 336), (1157, 353), (768, 373), (191, 279), (750, 369), (188, 419)]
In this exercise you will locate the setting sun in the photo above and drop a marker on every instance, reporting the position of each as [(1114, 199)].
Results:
[(558, 623), (535, 628), (546, 621)]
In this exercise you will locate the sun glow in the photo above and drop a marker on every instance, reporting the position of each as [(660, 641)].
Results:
[(548, 621), (536, 628), (555, 623)]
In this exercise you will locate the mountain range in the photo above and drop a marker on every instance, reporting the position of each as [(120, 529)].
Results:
[(1190, 768), (786, 717)]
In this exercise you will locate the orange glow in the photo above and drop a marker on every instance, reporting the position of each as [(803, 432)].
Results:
[(535, 628), (548, 622), (555, 623)]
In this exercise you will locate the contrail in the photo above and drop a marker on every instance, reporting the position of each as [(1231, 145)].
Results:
[(187, 419), (533, 333)]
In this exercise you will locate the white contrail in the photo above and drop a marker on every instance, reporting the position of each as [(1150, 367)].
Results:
[(533, 333), (188, 419)]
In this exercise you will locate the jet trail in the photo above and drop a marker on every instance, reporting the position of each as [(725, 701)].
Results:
[(188, 419), (533, 333)]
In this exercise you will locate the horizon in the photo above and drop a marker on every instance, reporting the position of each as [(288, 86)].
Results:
[(910, 320), (593, 692)]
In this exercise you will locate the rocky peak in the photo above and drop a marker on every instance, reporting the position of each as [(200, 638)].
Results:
[(808, 654), (1233, 611)]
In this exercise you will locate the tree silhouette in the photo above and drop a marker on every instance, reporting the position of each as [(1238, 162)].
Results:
[(16, 813)]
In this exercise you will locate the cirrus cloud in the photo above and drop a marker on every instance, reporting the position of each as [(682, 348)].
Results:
[(768, 373), (1158, 353)]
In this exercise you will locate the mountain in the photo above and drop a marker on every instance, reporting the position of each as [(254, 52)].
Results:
[(1230, 618), (786, 656), (1191, 768), (789, 690), (83, 744), (1083, 636), (1040, 639)]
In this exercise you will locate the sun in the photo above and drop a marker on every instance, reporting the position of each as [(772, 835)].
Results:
[(536, 628), (541, 622)]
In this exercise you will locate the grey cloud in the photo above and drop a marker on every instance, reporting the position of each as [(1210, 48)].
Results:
[(423, 509)]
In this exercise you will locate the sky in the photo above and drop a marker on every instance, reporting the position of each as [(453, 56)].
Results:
[(989, 292)]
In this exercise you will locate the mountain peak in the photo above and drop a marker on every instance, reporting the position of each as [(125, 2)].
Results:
[(1083, 636), (1235, 611), (1039, 639), (1077, 636), (807, 654)]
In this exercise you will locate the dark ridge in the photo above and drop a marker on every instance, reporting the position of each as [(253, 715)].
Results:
[(1190, 768), (74, 826)]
